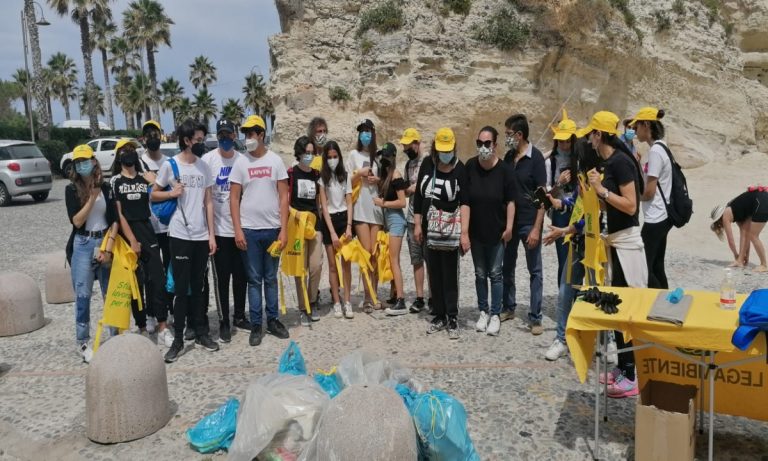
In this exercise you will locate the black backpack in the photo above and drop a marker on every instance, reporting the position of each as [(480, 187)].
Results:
[(680, 205)]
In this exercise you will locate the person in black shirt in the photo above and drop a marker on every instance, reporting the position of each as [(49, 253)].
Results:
[(442, 186), (750, 211), (305, 197), (530, 174), (492, 193), (131, 194)]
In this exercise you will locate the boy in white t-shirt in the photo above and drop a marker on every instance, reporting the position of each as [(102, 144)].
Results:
[(191, 232), (259, 200)]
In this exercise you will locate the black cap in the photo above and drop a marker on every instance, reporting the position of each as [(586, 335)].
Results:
[(224, 125), (387, 150), (365, 123)]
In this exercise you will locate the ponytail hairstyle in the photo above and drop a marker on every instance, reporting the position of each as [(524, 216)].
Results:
[(657, 128), (340, 173)]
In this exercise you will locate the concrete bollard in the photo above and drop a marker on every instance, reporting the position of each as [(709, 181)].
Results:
[(126, 391), (58, 280), (21, 305)]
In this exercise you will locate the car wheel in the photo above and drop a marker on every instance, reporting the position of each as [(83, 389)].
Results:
[(39, 196), (67, 169), (5, 197)]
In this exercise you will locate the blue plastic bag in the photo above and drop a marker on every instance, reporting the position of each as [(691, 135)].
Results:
[(217, 430), (292, 362), (329, 381), (441, 425)]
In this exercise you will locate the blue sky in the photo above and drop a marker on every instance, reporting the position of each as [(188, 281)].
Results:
[(232, 33)]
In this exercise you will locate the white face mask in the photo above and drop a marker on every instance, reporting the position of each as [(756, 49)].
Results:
[(484, 153), (333, 163), (251, 144)]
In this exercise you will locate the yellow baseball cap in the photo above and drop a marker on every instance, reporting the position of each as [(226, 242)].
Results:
[(83, 151), (604, 121), (150, 123), (124, 142), (646, 113), (410, 135), (252, 121), (445, 140), (565, 129)]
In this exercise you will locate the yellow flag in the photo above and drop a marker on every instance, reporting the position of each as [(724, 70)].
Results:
[(594, 249)]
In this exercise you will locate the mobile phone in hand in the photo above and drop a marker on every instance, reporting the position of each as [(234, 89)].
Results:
[(540, 195)]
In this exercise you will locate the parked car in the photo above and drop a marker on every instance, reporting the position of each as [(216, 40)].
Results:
[(169, 149), (103, 149), (23, 170), (83, 124)]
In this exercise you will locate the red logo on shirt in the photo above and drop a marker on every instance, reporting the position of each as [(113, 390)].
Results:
[(260, 172)]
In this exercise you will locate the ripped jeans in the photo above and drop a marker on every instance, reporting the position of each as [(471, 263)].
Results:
[(84, 271)]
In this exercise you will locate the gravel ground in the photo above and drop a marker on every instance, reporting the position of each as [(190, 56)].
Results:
[(519, 406)]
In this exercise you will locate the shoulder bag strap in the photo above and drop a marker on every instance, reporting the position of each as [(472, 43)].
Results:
[(177, 178)]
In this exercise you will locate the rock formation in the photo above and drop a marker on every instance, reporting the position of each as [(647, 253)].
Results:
[(704, 62)]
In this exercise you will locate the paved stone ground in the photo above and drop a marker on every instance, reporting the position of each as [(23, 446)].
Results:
[(519, 406)]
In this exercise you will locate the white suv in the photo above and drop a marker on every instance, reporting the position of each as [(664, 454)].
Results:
[(103, 149)]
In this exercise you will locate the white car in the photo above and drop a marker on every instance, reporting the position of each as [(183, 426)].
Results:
[(169, 149), (103, 149), (82, 124)]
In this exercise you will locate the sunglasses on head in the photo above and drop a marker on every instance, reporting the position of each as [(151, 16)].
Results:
[(487, 143)]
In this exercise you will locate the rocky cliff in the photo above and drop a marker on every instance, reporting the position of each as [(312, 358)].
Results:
[(705, 62)]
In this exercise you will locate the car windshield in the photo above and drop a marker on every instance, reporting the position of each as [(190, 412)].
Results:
[(20, 152), (169, 152)]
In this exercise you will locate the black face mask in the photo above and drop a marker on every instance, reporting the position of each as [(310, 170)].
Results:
[(129, 158), (153, 144), (411, 153), (198, 149)]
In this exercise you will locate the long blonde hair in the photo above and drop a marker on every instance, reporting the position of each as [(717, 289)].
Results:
[(83, 190)]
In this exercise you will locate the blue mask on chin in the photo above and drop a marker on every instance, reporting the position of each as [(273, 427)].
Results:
[(226, 144), (446, 157), (84, 168), (365, 138), (306, 159)]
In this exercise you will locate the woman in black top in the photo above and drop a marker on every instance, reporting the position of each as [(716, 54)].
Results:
[(131, 194), (392, 201), (304, 197), (750, 211), (92, 214), (442, 184), (620, 189)]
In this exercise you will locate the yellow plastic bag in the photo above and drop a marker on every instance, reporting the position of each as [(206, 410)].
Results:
[(356, 187), (353, 252), (383, 263), (301, 227), (317, 163)]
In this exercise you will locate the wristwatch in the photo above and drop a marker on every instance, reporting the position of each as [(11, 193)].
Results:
[(605, 194)]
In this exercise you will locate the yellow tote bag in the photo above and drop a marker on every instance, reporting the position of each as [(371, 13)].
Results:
[(383, 263)]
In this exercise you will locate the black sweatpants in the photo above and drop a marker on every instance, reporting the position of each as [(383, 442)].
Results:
[(626, 359), (228, 263), (443, 269), (165, 251), (655, 241), (151, 267), (188, 260)]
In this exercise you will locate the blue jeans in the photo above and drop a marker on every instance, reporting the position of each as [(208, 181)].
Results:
[(560, 220), (567, 292), (84, 270), (488, 260), (261, 273), (533, 260)]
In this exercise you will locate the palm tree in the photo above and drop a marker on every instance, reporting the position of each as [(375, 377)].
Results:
[(63, 80), (81, 10), (100, 103), (21, 78), (255, 92), (101, 36), (202, 72), (124, 60), (39, 87), (47, 75), (139, 94), (204, 106), (171, 93), (184, 111), (146, 25), (232, 110)]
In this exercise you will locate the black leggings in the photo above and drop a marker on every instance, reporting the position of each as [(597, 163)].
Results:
[(152, 272), (165, 251), (655, 241), (626, 359), (443, 269), (228, 263), (188, 265)]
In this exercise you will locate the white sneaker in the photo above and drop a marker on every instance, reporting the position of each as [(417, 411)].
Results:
[(348, 313), (482, 322), (165, 337), (337, 311), (85, 351), (556, 350), (151, 324), (613, 357), (494, 325)]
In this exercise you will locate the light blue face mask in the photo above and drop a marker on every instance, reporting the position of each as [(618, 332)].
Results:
[(446, 157), (306, 159), (629, 134), (365, 138), (84, 168)]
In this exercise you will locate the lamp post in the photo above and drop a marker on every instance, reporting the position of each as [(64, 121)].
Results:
[(41, 22)]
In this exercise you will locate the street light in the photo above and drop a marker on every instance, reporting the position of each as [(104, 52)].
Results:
[(41, 22)]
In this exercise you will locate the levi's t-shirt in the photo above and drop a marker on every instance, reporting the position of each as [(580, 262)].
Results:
[(260, 203)]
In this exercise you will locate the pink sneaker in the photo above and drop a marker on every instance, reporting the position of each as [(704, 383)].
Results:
[(622, 388), (609, 377)]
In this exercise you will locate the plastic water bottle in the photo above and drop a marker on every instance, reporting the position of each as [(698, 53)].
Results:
[(728, 292)]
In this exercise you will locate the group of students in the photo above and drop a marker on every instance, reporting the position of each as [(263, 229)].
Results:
[(234, 208)]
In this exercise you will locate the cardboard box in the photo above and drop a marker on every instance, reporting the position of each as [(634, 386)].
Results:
[(665, 420)]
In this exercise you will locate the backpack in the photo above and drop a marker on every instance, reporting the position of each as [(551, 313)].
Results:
[(679, 206), (164, 210)]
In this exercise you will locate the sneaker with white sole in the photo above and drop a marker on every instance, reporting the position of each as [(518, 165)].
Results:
[(348, 312), (151, 324), (556, 350), (609, 377), (165, 337), (482, 322), (304, 319), (85, 351), (453, 328), (337, 311), (613, 357), (622, 387), (494, 325)]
